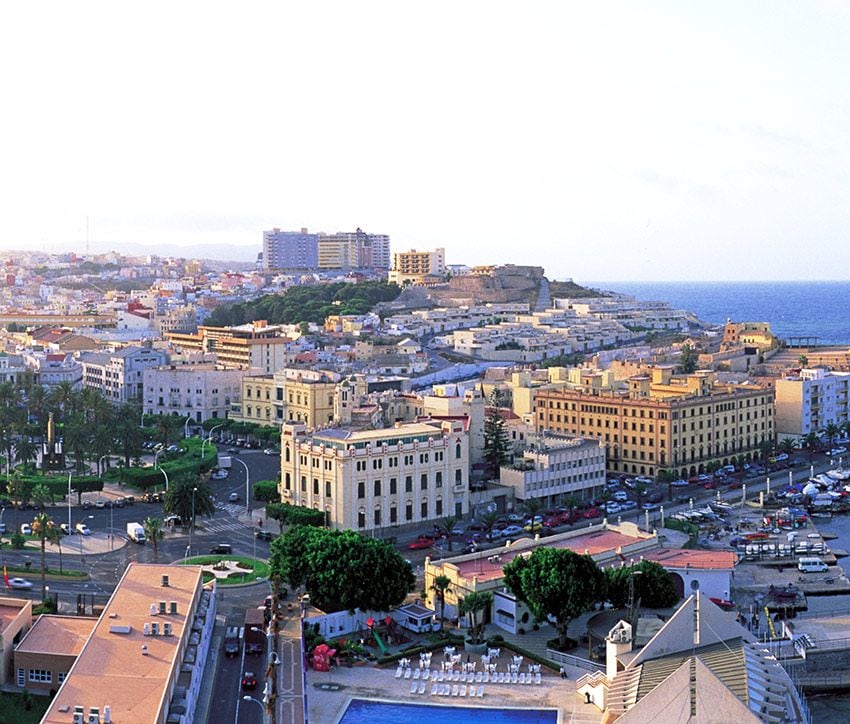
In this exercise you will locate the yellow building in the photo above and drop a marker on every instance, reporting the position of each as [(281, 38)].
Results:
[(262, 400), (248, 345), (664, 421), (749, 334), (310, 396), (372, 480)]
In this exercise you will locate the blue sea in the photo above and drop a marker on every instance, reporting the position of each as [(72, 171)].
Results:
[(792, 308)]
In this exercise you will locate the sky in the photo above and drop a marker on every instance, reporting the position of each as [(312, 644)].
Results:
[(601, 140)]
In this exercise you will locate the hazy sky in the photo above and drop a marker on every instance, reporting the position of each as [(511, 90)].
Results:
[(602, 140)]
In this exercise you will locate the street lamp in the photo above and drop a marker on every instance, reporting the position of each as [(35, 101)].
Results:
[(70, 527), (102, 457), (247, 489), (209, 437), (186, 427), (164, 474), (192, 524), (256, 701)]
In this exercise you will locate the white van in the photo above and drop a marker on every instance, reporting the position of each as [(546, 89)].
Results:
[(812, 565)]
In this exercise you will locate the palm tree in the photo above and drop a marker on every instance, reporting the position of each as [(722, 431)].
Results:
[(40, 526), (25, 450), (570, 502), (441, 585), (446, 525), (471, 606), (55, 535), (532, 506), (811, 442), (787, 445), (832, 431), (153, 532), (605, 496), (488, 521), (165, 424)]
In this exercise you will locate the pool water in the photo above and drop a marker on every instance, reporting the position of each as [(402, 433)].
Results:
[(361, 711)]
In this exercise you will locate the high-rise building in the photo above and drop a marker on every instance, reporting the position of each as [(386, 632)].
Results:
[(290, 249), (354, 250), (417, 267)]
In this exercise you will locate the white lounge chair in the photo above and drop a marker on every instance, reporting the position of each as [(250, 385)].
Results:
[(514, 677), (538, 678), (528, 678), (416, 674), (441, 676), (413, 687), (454, 689), (434, 689), (456, 677), (521, 678), (481, 692), (421, 687), (398, 672), (479, 676), (486, 676), (407, 673), (462, 691), (446, 689), (471, 691)]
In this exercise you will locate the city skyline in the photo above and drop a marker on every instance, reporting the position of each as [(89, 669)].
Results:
[(616, 142)]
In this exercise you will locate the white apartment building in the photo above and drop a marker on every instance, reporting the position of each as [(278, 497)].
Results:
[(417, 267), (374, 480), (810, 401), (10, 368), (119, 375), (557, 465), (199, 391), (52, 369)]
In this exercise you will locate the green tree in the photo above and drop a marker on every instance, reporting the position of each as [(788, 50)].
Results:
[(832, 431), (766, 449), (787, 445), (40, 525), (440, 587), (812, 442), (653, 586), (179, 499), (26, 451), (128, 434), (267, 491), (496, 443), (688, 359), (471, 606), (804, 361), (532, 507), (339, 569), (154, 533), (556, 583), (42, 495), (446, 525), (488, 521), (165, 426)]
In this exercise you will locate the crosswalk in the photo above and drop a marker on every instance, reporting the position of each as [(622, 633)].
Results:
[(231, 508)]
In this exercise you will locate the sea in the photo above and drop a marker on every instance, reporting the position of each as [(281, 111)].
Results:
[(794, 309)]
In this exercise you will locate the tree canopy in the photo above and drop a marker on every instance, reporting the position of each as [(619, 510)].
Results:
[(313, 303), (341, 569), (179, 498), (653, 586), (496, 442), (556, 583)]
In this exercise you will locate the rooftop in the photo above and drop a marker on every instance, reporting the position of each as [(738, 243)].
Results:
[(57, 635), (113, 668)]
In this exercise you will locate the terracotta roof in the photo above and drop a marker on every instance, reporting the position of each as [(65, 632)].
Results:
[(681, 558), (57, 635)]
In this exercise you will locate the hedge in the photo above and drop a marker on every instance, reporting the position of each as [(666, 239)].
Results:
[(58, 484)]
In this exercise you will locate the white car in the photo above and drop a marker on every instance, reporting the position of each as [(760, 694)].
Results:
[(26, 529), (19, 583), (621, 496), (680, 483), (83, 529), (512, 530), (628, 505), (219, 475), (613, 507), (100, 503), (270, 451)]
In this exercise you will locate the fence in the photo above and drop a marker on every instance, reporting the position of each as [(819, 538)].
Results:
[(576, 661)]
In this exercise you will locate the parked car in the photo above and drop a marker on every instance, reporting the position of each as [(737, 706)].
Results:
[(26, 529), (628, 505), (422, 542), (19, 583), (233, 451), (83, 529), (219, 474), (233, 497), (100, 503), (621, 496), (613, 507), (512, 530), (679, 483), (643, 479), (65, 528), (264, 535), (591, 513), (650, 506), (532, 526)]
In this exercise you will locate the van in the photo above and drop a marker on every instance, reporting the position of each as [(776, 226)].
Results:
[(812, 565)]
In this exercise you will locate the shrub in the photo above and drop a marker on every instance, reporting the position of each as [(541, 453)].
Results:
[(17, 541)]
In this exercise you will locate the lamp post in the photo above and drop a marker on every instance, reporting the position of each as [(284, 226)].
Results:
[(70, 528), (186, 426), (102, 458), (111, 528), (192, 524), (247, 489), (208, 438), (164, 474)]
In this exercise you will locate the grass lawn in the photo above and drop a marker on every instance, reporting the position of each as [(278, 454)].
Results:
[(36, 571), (13, 708), (245, 564)]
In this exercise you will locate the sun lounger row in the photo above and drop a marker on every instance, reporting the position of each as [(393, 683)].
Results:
[(457, 690), (479, 677)]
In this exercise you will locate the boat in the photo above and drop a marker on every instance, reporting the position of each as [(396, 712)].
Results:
[(725, 604), (839, 552), (821, 514)]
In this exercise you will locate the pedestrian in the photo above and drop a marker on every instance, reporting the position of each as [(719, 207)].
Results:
[(563, 673)]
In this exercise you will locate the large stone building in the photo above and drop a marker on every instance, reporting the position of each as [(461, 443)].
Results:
[(375, 480), (661, 421), (811, 400), (200, 391), (119, 375)]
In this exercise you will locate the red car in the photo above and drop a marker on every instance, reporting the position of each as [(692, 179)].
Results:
[(423, 541), (591, 513), (249, 681), (551, 522)]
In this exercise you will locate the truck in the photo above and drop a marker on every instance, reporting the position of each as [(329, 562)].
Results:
[(224, 462), (254, 635), (233, 641), (136, 532)]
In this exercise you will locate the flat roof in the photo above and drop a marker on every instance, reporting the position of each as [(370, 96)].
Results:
[(684, 558), (9, 610), (111, 668), (57, 635)]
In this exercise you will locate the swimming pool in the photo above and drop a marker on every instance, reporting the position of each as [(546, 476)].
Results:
[(361, 711)]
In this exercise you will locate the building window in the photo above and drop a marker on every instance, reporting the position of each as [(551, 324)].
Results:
[(377, 487), (408, 484), (315, 486), (408, 511), (361, 490), (424, 510), (377, 516), (303, 484), (438, 479), (393, 486), (60, 677), (287, 481), (393, 515), (458, 477), (328, 488), (439, 507), (22, 679), (41, 675), (423, 482), (361, 518)]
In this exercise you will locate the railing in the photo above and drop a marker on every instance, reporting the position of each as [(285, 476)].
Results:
[(593, 678), (576, 661)]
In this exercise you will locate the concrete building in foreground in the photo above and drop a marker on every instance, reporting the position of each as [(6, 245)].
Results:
[(46, 654), (15, 621), (372, 480), (144, 659)]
